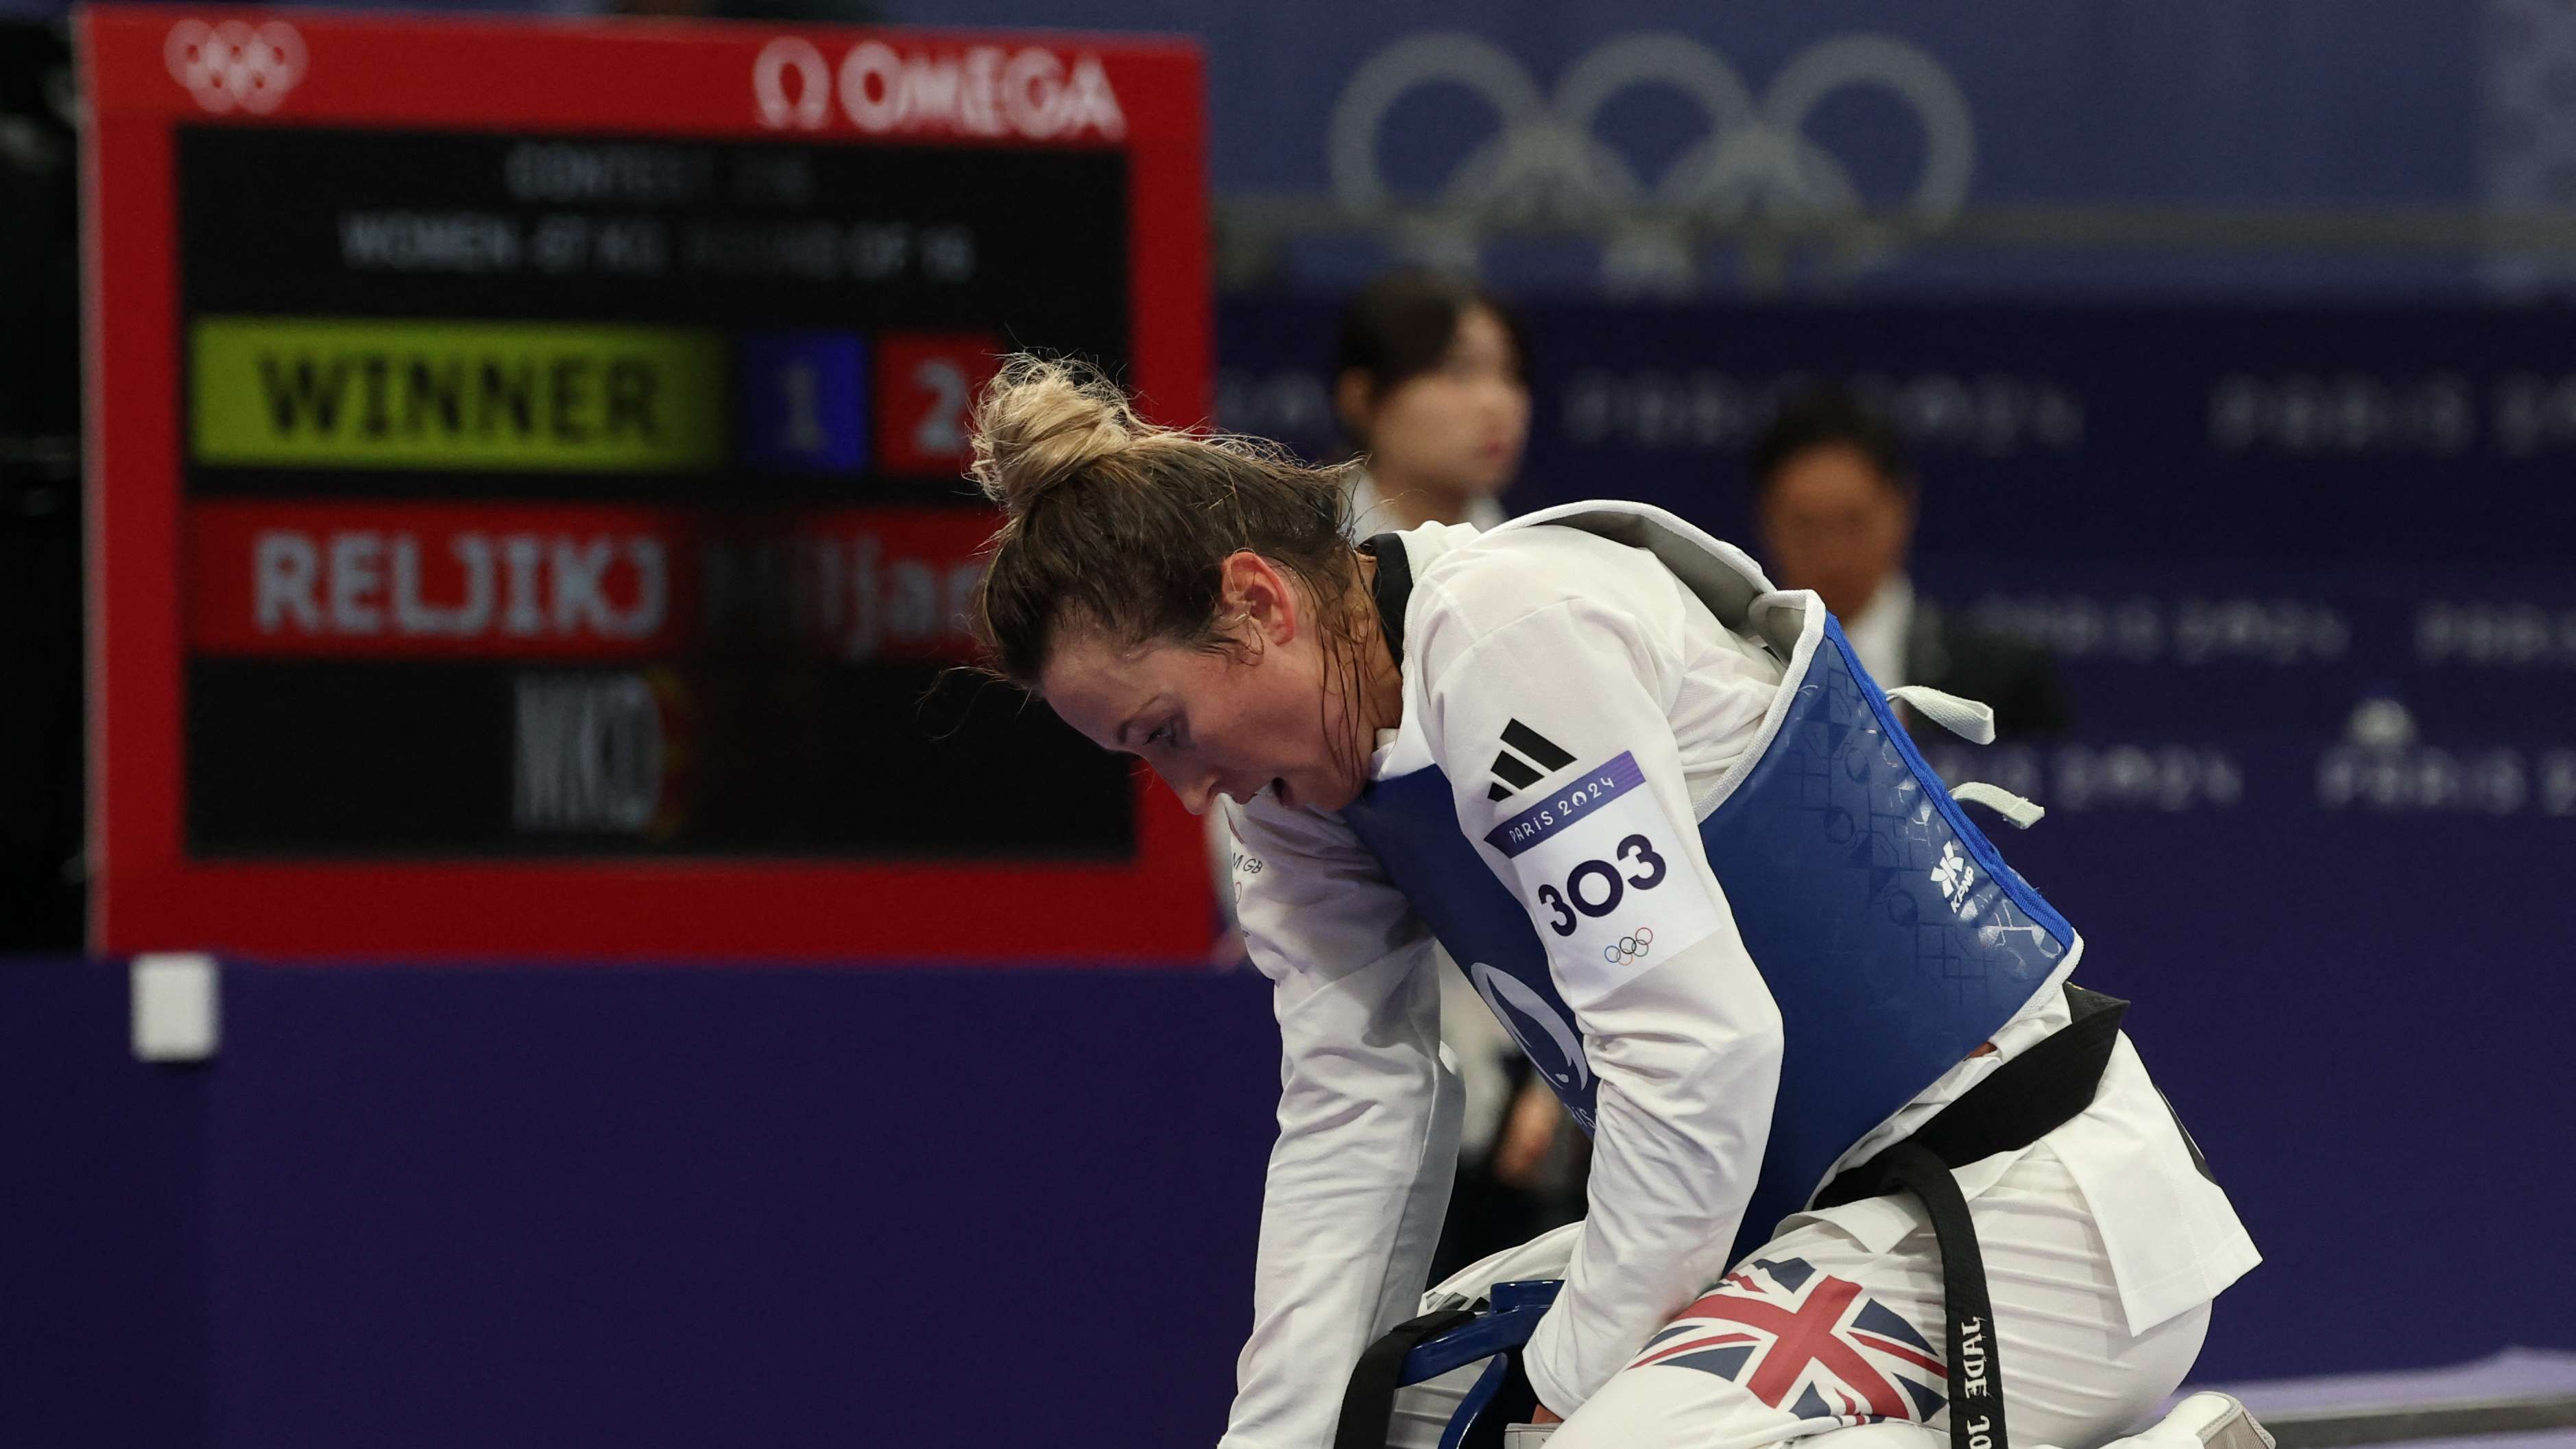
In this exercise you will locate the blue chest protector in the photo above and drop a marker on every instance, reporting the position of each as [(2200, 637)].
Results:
[(1892, 936)]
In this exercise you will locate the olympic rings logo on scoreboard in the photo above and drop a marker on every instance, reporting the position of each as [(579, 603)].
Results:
[(235, 65), (1629, 948), (984, 90)]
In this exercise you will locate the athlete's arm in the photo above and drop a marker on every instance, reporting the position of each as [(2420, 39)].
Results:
[(1368, 1121), (1604, 853)]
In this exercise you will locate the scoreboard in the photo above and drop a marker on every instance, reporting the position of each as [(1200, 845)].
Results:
[(526, 509)]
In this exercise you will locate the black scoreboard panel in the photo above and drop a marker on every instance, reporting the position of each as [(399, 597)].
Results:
[(601, 496)]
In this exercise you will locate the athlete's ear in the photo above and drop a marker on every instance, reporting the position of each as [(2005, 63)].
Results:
[(1255, 601)]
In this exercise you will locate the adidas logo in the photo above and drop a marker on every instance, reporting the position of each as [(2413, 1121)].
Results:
[(1525, 756)]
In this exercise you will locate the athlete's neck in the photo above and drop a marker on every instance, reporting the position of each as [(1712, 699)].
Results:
[(1381, 682)]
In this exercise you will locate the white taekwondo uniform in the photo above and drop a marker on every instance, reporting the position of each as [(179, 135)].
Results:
[(2103, 1242)]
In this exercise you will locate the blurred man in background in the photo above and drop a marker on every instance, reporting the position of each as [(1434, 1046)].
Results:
[(1834, 502)]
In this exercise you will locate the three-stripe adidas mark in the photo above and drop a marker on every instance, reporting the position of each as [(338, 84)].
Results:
[(1517, 772)]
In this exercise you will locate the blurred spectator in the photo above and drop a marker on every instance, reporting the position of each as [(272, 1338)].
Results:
[(1432, 384), (1834, 501)]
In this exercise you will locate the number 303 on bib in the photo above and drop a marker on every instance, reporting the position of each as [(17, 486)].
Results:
[(1613, 883), (1595, 887)]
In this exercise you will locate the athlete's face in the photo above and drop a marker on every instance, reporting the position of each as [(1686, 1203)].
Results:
[(1457, 429), (1257, 716), (1832, 522)]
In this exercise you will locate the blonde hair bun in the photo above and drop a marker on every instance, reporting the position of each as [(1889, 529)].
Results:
[(1040, 421)]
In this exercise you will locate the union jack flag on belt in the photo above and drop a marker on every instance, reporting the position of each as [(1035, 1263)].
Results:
[(1807, 1342)]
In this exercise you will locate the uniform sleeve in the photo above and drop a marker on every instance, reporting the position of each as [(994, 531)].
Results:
[(1368, 1121), (1603, 851)]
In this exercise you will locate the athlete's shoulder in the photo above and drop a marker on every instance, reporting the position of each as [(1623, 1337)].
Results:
[(1497, 575), (1470, 585)]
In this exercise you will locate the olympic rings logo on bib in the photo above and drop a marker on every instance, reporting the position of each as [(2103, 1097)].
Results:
[(1629, 948)]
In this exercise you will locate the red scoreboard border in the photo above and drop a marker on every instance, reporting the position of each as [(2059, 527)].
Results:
[(149, 69)]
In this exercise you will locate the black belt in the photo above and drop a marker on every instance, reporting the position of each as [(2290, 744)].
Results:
[(2017, 1104), (1368, 1405)]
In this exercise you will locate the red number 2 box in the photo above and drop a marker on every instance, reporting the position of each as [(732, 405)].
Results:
[(926, 384)]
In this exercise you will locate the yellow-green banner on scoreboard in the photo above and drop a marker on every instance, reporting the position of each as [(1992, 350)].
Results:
[(301, 392)]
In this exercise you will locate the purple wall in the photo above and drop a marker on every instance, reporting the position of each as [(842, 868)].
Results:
[(588, 1206), (617, 1207), (105, 1323)]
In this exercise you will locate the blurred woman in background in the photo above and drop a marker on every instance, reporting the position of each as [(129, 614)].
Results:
[(1431, 383), (1433, 390)]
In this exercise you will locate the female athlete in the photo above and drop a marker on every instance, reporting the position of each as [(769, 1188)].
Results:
[(1664, 821)]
